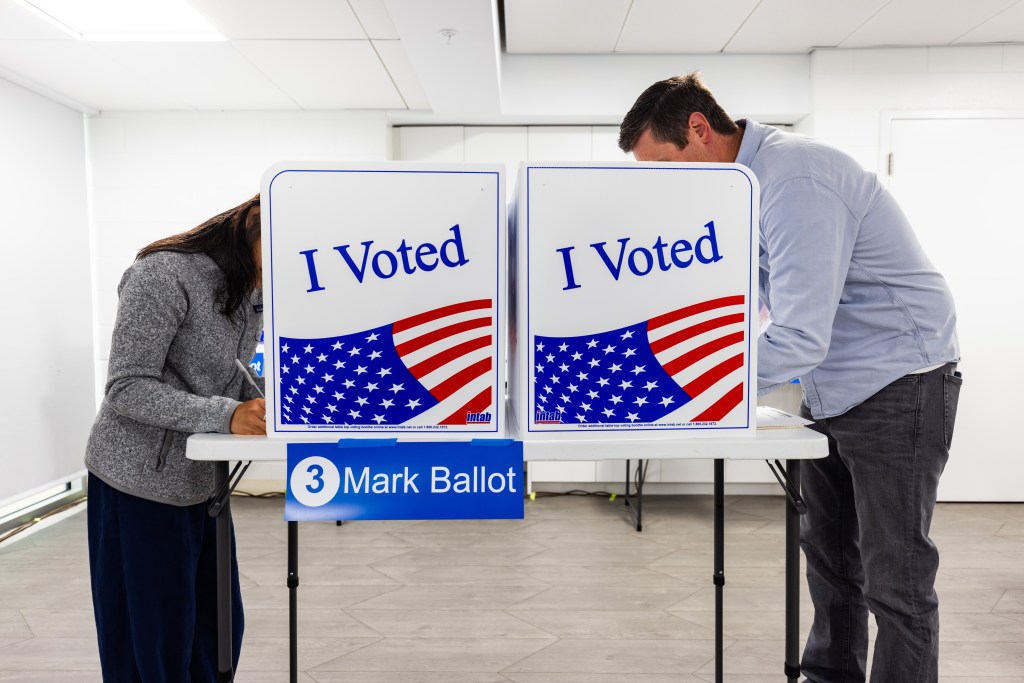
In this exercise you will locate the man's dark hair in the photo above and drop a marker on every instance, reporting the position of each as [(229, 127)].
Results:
[(228, 239), (665, 109)]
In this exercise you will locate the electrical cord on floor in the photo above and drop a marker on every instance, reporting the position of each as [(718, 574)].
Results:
[(574, 492), (639, 478), (639, 475), (265, 494)]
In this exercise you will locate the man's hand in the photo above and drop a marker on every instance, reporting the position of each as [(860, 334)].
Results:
[(250, 417)]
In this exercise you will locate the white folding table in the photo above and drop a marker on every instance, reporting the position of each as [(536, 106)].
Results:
[(789, 444)]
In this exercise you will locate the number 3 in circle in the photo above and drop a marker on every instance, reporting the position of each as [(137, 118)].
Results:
[(317, 473), (314, 481)]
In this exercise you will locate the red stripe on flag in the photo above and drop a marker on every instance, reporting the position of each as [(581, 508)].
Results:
[(477, 404), (426, 317), (687, 359), (720, 408), (448, 355), (692, 331), (461, 379), (438, 334), (672, 316), (699, 385)]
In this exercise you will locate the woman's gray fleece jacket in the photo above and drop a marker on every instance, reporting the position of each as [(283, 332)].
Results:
[(172, 374)]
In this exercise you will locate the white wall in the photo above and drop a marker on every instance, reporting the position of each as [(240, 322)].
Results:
[(599, 89), (156, 174), (46, 407), (851, 88)]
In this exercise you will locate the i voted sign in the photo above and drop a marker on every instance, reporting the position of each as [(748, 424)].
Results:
[(635, 300), (384, 479), (386, 306)]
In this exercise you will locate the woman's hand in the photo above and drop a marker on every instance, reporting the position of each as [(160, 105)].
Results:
[(250, 417)]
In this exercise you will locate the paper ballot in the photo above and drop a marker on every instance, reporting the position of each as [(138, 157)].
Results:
[(773, 418)]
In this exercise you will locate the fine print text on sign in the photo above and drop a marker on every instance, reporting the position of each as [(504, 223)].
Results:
[(386, 479)]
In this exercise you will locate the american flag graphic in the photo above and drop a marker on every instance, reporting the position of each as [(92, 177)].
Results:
[(433, 368), (687, 363)]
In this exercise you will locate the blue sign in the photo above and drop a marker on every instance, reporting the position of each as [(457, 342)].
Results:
[(387, 479), (257, 363)]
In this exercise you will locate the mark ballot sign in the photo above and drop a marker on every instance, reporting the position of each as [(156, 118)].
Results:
[(385, 301), (634, 306), (382, 479)]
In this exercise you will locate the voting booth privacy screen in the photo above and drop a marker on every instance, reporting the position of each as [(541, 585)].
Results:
[(384, 295), (633, 303)]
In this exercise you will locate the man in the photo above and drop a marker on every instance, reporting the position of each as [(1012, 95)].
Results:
[(862, 317)]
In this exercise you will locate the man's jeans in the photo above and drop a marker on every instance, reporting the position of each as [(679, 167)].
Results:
[(865, 534)]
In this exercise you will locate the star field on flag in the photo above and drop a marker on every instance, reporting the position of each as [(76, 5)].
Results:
[(435, 366)]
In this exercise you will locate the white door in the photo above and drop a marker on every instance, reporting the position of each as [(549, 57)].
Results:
[(960, 182)]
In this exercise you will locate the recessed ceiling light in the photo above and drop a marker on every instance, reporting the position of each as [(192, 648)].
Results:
[(126, 20)]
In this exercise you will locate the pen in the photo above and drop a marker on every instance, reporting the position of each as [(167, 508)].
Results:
[(245, 373)]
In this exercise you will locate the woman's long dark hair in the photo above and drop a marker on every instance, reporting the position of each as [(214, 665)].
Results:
[(228, 239)]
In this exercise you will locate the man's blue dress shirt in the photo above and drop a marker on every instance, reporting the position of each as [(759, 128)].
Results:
[(854, 301)]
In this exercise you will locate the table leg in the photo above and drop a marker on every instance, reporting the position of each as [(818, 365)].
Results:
[(225, 663), (641, 475), (637, 511), (293, 609), (625, 496), (792, 668), (719, 576)]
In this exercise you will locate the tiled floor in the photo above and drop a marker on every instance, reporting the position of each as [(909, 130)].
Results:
[(571, 594)]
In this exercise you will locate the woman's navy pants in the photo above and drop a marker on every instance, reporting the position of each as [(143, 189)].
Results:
[(154, 589)]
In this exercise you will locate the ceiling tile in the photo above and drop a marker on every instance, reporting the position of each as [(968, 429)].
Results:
[(316, 54), (681, 26), (325, 74), (564, 27), (823, 23), (461, 77), (81, 73), (273, 19), (204, 75), (125, 19), (397, 63), (1005, 27), (17, 21), (924, 22), (374, 17)]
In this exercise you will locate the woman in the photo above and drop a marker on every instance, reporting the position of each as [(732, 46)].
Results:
[(188, 307)]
